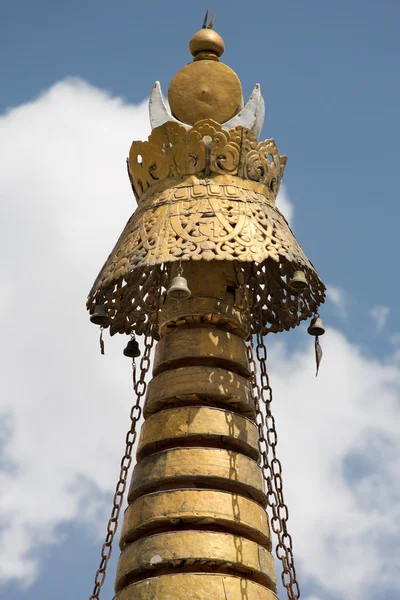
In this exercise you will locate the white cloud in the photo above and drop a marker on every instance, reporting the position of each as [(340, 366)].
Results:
[(65, 199), (379, 314), (341, 451), (337, 296), (64, 408), (284, 204)]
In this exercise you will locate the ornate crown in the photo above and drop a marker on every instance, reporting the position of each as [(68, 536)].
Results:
[(205, 150)]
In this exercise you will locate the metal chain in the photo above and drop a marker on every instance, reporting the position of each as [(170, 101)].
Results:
[(139, 388), (272, 467)]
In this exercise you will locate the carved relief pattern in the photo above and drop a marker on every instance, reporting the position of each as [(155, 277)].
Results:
[(208, 221), (173, 151)]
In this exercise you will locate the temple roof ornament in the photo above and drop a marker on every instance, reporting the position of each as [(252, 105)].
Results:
[(206, 190)]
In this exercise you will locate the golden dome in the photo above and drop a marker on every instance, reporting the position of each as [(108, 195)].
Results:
[(206, 42)]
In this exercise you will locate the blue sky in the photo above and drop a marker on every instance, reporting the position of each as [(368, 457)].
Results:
[(329, 76)]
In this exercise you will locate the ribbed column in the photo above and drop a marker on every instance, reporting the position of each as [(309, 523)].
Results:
[(195, 526)]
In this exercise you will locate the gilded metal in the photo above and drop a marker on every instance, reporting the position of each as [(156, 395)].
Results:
[(196, 586), (250, 116), (205, 89), (316, 327), (211, 509), (194, 386), (211, 468), (206, 550), (231, 215), (195, 526), (206, 41), (198, 426), (201, 346)]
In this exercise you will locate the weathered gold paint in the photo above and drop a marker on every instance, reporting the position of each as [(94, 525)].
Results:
[(194, 424), (203, 467), (196, 586), (203, 347), (195, 508), (203, 550), (207, 386)]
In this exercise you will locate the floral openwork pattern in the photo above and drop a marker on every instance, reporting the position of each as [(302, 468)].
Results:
[(217, 218)]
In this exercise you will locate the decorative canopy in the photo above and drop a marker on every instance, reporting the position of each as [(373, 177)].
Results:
[(206, 190)]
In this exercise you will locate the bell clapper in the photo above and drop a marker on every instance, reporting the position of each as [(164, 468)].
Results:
[(101, 340), (316, 329), (318, 354), (100, 317)]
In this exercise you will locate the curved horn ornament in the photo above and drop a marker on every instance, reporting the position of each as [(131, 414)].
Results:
[(251, 116), (159, 109)]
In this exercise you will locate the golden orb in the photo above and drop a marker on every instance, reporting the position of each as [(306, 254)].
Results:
[(205, 88), (206, 41)]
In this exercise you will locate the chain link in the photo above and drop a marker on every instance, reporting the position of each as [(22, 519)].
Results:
[(139, 389), (271, 467)]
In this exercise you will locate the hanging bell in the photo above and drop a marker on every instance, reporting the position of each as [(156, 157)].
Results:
[(316, 327), (132, 349), (179, 288), (100, 316), (299, 281)]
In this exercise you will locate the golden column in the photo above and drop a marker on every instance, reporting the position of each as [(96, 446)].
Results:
[(205, 265)]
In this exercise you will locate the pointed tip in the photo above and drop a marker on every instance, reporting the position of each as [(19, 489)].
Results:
[(211, 23), (205, 21)]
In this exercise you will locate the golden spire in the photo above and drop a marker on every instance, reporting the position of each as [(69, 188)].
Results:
[(205, 88), (206, 264)]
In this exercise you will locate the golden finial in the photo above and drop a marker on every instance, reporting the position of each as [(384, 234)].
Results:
[(206, 44), (205, 88)]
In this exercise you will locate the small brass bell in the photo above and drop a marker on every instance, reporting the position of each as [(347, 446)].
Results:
[(132, 349), (299, 281), (316, 327), (179, 288), (100, 316)]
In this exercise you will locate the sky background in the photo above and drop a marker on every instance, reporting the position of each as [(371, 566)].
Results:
[(75, 79)]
